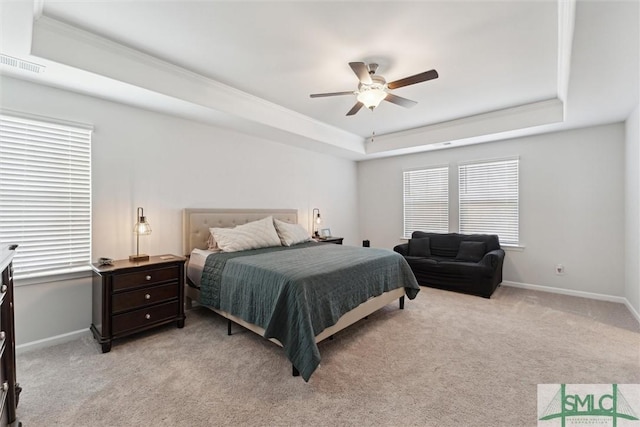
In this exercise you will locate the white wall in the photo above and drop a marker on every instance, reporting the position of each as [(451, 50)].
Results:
[(571, 205), (165, 164), (632, 209)]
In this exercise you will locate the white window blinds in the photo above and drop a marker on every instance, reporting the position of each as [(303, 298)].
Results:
[(426, 200), (488, 196), (45, 195)]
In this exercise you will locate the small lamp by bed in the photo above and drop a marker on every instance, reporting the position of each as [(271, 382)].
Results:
[(141, 227), (316, 221)]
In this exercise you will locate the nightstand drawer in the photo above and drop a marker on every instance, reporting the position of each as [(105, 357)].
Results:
[(145, 316), (147, 277), (143, 297)]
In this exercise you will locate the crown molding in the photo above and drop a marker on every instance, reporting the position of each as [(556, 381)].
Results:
[(566, 26), (68, 45), (477, 127)]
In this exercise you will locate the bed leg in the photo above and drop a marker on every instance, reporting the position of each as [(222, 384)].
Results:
[(401, 301), (228, 326), (294, 371), (188, 302)]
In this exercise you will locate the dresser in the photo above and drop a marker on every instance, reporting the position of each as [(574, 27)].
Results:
[(129, 297), (10, 390)]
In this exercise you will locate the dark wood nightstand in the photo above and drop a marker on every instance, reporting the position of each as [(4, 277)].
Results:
[(335, 240), (130, 297)]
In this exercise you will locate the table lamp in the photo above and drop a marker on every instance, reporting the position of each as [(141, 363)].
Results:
[(141, 227)]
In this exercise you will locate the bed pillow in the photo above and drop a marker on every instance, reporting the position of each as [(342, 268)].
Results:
[(471, 251), (420, 247), (291, 234), (212, 245), (253, 235)]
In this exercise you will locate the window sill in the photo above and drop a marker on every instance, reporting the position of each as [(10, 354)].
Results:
[(52, 277), (514, 248)]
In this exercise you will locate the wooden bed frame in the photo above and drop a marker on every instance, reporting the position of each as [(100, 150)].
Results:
[(196, 224)]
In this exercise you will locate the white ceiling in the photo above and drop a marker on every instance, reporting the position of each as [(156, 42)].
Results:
[(506, 68)]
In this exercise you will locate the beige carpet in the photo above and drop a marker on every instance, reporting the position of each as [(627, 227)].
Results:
[(446, 360)]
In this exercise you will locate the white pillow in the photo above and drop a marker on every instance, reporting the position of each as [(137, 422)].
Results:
[(253, 235), (212, 245), (291, 234)]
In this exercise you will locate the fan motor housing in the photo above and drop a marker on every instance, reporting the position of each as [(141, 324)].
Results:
[(378, 82)]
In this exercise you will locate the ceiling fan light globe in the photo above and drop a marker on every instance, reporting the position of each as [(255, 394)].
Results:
[(371, 97)]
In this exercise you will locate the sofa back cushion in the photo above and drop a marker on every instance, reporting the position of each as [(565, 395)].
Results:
[(448, 244), (444, 245), (419, 247), (471, 251)]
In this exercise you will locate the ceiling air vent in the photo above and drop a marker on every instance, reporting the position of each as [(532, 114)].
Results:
[(19, 63)]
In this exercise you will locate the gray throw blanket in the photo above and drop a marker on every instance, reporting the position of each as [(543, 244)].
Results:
[(294, 293)]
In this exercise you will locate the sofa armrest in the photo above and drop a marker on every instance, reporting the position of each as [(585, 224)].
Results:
[(493, 259), (402, 249)]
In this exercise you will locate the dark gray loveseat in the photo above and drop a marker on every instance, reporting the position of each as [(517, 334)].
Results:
[(469, 263)]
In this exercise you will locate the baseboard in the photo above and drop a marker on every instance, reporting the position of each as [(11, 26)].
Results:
[(47, 342), (590, 295), (582, 294), (633, 311)]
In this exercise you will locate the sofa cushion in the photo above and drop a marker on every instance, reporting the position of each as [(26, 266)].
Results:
[(419, 247), (421, 263), (445, 245), (471, 251)]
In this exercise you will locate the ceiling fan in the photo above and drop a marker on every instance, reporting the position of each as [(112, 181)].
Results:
[(373, 89)]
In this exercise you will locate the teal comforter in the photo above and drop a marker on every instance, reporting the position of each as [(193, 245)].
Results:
[(294, 293)]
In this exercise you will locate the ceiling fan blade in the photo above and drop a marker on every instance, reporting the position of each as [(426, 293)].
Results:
[(355, 108), (360, 68), (320, 95), (398, 100), (411, 80)]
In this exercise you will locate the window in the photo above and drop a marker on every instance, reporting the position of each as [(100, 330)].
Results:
[(488, 196), (45, 195), (426, 200)]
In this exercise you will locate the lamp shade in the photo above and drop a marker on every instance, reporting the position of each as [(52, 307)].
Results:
[(371, 97), (142, 226)]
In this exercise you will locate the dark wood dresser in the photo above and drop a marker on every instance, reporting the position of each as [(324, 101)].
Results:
[(130, 297), (10, 390)]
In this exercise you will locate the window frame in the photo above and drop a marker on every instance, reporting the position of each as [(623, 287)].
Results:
[(508, 195), (61, 191), (443, 212)]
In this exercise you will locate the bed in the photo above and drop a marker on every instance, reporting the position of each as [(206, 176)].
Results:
[(294, 296)]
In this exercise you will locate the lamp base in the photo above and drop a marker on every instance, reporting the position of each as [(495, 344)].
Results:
[(140, 257)]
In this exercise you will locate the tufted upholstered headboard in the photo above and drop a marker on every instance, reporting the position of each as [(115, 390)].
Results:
[(196, 222)]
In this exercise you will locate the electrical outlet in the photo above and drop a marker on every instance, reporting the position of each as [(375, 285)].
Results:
[(559, 269)]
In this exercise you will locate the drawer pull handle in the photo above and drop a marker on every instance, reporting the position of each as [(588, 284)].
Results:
[(3, 289), (5, 386), (147, 316), (148, 277), (147, 296)]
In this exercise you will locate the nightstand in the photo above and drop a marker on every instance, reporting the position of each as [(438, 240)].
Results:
[(335, 240), (130, 297)]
